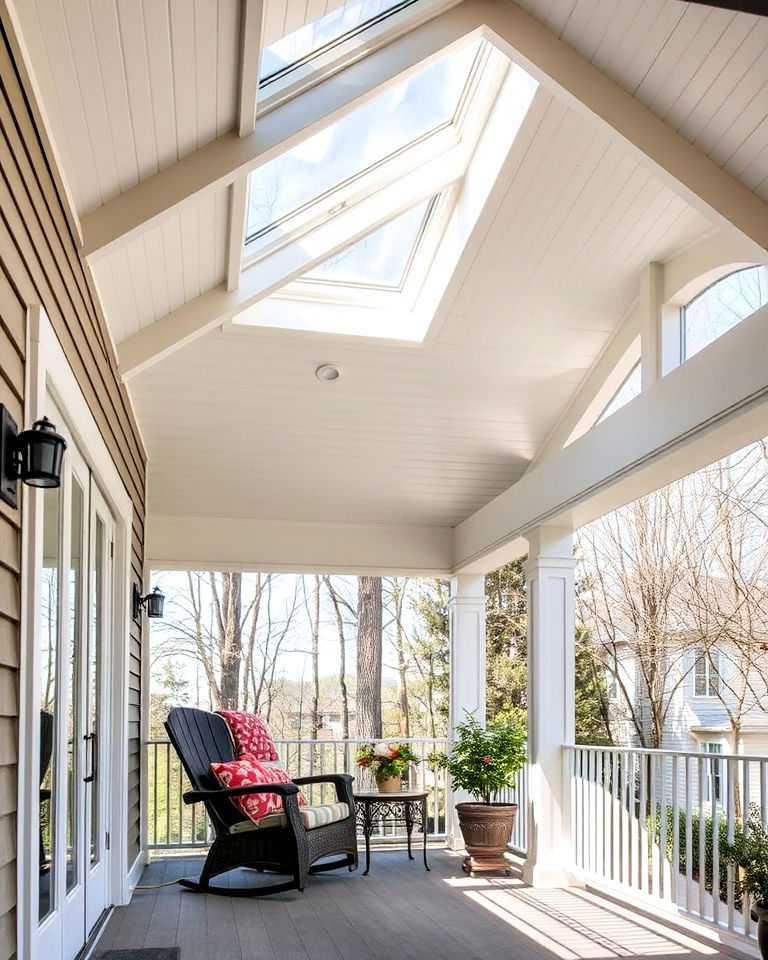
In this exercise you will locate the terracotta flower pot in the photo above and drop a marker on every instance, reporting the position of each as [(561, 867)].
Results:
[(760, 910), (389, 784), (486, 828)]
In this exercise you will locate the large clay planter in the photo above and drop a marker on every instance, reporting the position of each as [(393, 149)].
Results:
[(486, 828), (760, 910), (389, 784)]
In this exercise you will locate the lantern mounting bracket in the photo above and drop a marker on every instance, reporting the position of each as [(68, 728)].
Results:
[(9, 473), (152, 601)]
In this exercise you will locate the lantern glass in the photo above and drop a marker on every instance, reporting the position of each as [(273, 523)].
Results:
[(155, 602), (40, 454)]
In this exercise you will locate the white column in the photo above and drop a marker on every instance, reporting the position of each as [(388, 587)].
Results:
[(551, 649), (466, 629)]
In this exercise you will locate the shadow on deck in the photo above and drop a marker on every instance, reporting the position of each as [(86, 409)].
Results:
[(399, 910)]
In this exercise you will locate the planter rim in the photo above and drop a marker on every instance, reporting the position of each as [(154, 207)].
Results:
[(476, 805)]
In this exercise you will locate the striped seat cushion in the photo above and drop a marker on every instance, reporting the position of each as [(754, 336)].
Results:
[(312, 817)]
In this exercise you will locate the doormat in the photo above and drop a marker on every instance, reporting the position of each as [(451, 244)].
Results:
[(147, 953)]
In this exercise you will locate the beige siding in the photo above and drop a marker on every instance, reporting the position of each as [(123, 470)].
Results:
[(39, 264)]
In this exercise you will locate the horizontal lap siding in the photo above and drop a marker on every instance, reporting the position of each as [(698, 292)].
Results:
[(39, 263)]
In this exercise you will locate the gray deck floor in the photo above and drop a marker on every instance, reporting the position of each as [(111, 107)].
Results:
[(398, 911)]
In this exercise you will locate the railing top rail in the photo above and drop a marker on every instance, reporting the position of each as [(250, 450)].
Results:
[(297, 740), (649, 751)]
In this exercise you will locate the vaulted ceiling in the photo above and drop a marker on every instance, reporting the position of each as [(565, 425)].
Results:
[(422, 432)]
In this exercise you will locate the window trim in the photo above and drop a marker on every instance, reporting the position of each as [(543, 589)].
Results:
[(683, 333), (711, 661)]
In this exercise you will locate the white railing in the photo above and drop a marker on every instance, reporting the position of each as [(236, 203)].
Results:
[(172, 825), (518, 795), (655, 823)]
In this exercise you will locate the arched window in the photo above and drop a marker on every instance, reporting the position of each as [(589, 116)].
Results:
[(722, 306), (629, 389)]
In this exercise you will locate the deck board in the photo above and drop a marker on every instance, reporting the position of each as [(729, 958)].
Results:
[(399, 909)]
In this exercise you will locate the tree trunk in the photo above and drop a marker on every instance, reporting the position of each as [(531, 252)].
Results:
[(398, 597), (342, 659), (232, 645), (314, 719), (369, 628)]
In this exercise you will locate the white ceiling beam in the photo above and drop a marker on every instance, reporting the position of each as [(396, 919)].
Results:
[(238, 214), (222, 543), (706, 408), (251, 28), (556, 65), (216, 306)]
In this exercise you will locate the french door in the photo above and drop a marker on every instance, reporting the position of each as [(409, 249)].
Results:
[(74, 655)]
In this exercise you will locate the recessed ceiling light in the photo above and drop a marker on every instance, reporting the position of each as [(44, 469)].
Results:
[(328, 372)]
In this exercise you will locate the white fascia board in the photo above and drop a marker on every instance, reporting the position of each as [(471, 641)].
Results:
[(685, 168), (398, 322), (706, 408), (216, 306), (216, 543)]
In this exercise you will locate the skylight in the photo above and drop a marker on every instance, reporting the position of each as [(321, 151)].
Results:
[(359, 141), (315, 38), (379, 260)]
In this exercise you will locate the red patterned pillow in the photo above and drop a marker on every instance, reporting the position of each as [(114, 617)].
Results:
[(246, 771), (251, 734)]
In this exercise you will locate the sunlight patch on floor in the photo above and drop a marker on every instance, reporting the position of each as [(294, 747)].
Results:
[(574, 928)]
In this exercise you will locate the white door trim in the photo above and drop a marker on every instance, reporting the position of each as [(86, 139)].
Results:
[(48, 371)]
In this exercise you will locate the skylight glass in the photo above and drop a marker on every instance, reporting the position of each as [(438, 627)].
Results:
[(357, 142), (320, 35), (379, 260)]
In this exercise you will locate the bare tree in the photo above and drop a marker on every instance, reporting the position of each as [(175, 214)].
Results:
[(339, 603), (634, 574), (396, 592), (369, 653)]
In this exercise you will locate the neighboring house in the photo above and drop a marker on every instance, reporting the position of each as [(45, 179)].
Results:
[(717, 705)]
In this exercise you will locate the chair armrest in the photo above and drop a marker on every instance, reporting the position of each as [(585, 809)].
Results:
[(342, 781), (281, 789)]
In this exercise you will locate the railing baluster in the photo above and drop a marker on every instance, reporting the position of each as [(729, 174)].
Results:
[(730, 828), (688, 834), (702, 841), (746, 800), (675, 865)]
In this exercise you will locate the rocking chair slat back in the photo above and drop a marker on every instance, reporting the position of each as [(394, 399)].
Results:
[(200, 739)]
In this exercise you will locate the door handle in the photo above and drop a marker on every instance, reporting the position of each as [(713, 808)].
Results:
[(90, 757)]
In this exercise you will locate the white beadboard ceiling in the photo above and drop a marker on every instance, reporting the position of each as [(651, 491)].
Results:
[(410, 435)]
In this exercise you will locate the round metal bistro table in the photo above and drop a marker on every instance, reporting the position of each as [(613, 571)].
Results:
[(408, 807)]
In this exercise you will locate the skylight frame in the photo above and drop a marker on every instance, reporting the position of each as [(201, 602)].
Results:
[(405, 295), (322, 52), (483, 74), (470, 171), (337, 56)]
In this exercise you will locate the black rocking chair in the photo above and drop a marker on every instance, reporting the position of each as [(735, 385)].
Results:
[(202, 738)]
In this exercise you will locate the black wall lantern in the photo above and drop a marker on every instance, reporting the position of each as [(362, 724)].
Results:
[(153, 602), (34, 456)]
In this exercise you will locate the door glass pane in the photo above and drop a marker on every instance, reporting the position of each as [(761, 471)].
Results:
[(49, 630), (94, 671), (73, 707)]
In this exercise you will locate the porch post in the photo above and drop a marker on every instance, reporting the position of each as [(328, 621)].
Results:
[(551, 649), (466, 630)]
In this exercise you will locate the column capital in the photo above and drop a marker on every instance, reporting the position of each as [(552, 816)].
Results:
[(468, 587), (550, 544)]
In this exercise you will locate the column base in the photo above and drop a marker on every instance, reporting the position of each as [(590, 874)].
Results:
[(550, 877), (454, 841)]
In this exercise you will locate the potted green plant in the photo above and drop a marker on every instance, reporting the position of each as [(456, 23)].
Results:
[(485, 761), (749, 854), (387, 762)]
